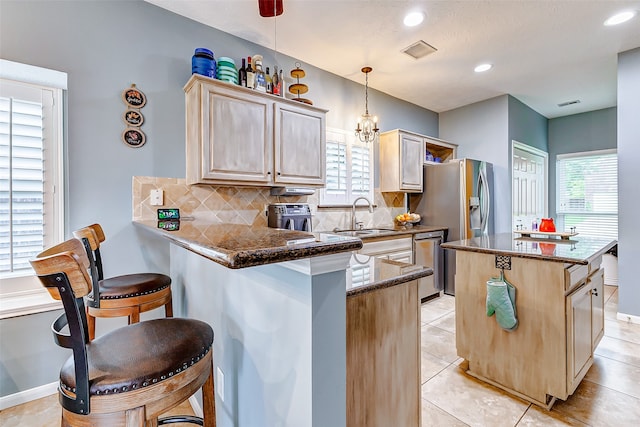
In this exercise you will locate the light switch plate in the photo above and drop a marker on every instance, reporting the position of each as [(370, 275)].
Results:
[(156, 197)]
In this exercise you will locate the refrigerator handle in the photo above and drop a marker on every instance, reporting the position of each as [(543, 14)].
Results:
[(486, 202)]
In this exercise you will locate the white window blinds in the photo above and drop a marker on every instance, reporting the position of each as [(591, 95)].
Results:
[(349, 169), (21, 183), (587, 192)]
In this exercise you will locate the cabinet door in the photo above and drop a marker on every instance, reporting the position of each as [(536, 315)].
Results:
[(579, 340), (596, 284), (300, 145), (237, 136), (411, 160)]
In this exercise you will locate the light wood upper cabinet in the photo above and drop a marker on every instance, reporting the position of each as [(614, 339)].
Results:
[(300, 146), (401, 159), (236, 136), (402, 155)]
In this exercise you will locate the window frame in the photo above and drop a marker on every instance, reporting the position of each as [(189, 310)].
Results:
[(22, 293), (350, 140), (563, 212)]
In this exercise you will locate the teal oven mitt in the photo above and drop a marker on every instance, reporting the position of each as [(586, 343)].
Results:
[(501, 301)]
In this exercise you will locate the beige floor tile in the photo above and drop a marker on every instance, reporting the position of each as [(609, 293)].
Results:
[(620, 350), (429, 313), (471, 401), (536, 417), (626, 331), (432, 416), (445, 302), (600, 406), (615, 375), (439, 343), (431, 366), (446, 322), (44, 412)]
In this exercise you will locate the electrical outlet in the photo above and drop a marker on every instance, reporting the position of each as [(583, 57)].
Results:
[(266, 210), (220, 385), (156, 197)]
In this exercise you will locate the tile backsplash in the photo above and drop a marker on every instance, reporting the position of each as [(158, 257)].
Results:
[(246, 205)]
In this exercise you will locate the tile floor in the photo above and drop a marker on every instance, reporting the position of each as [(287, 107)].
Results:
[(608, 396)]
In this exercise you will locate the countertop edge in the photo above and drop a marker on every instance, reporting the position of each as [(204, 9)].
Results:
[(418, 273), (258, 256), (551, 258)]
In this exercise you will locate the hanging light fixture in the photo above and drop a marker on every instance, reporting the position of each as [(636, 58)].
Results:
[(367, 128)]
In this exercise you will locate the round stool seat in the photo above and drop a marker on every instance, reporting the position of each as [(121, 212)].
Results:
[(133, 285), (141, 355)]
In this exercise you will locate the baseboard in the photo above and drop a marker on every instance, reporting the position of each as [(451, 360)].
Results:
[(28, 395), (628, 318), (195, 405)]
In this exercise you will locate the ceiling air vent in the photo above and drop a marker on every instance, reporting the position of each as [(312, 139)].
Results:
[(564, 104), (419, 49)]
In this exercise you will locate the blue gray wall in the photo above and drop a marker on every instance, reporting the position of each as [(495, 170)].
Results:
[(595, 130), (484, 131), (628, 178), (105, 46)]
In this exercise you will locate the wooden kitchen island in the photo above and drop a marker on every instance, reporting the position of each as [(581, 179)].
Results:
[(295, 329), (559, 306)]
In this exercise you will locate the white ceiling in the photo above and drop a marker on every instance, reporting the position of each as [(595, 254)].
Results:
[(544, 52)]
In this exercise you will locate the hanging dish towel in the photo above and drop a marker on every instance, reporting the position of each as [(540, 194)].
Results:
[(501, 300)]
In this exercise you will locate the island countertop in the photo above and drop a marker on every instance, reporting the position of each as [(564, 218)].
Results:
[(239, 246), (577, 250)]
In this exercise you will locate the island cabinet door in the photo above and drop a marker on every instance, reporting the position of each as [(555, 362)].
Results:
[(300, 145), (596, 284), (579, 341)]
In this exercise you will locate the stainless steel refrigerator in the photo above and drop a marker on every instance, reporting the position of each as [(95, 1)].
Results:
[(458, 195)]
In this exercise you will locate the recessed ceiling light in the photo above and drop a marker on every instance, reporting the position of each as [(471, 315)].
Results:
[(621, 17), (414, 18), (482, 67)]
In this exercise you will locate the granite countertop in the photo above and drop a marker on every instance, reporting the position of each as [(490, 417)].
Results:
[(368, 273), (391, 231), (576, 250), (240, 246)]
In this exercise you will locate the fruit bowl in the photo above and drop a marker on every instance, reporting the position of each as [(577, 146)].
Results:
[(407, 219)]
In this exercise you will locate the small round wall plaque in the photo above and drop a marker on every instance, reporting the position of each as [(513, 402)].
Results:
[(133, 118), (133, 97), (134, 137)]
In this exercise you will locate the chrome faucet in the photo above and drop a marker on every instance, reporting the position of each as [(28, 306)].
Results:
[(353, 210)]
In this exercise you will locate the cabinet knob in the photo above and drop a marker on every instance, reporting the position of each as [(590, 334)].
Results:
[(278, 173), (269, 173)]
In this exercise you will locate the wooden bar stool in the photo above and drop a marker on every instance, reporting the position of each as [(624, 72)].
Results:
[(126, 295), (129, 376)]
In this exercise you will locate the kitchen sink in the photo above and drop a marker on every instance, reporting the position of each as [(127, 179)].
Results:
[(364, 231)]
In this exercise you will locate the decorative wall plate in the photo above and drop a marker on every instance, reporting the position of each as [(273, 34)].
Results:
[(133, 118), (134, 137), (133, 97)]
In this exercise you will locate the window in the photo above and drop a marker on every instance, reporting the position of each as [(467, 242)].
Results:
[(349, 169), (31, 199), (587, 193)]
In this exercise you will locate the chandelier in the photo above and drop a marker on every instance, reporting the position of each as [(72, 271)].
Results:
[(367, 128)]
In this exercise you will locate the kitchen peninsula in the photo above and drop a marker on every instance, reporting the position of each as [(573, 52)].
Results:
[(559, 307), (277, 300)]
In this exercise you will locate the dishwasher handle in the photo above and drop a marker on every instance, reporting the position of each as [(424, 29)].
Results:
[(430, 235)]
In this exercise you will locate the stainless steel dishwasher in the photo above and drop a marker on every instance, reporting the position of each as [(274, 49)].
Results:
[(429, 254)]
